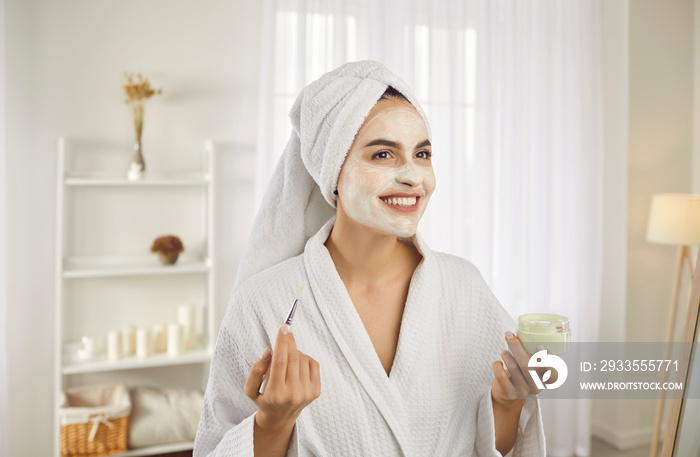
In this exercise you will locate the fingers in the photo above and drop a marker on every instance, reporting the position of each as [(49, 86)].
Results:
[(517, 349), (293, 383), (505, 386), (278, 365), (541, 371), (304, 373), (293, 360), (500, 374), (514, 380), (255, 376), (517, 377), (315, 373), (522, 359), (291, 368), (309, 378)]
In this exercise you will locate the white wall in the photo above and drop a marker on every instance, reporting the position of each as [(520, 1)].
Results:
[(661, 113), (660, 116), (661, 105), (65, 62)]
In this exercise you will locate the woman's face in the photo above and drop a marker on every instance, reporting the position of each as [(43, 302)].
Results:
[(387, 178)]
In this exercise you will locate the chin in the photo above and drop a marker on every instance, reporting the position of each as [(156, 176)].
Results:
[(400, 227), (399, 232), (406, 233)]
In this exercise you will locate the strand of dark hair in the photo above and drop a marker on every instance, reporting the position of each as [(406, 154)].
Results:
[(390, 92)]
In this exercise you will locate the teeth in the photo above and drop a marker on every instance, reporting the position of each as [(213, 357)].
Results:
[(401, 201)]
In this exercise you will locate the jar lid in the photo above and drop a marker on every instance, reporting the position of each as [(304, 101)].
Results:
[(543, 323)]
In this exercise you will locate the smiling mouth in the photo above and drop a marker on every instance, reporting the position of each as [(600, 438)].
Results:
[(402, 202)]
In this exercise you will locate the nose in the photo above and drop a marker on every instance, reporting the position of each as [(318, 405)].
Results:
[(407, 175)]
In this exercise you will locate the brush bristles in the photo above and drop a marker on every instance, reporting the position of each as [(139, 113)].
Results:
[(300, 289)]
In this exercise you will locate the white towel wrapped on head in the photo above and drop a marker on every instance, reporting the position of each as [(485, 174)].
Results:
[(325, 118)]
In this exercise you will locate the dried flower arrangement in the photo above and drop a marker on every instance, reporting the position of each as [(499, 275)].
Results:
[(168, 248), (137, 92)]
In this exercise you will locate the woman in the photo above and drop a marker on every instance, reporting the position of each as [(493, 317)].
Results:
[(404, 340)]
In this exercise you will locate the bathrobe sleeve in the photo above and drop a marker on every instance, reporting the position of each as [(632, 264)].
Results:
[(228, 415), (530, 441)]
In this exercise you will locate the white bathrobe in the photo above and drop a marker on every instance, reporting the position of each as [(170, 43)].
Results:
[(436, 400)]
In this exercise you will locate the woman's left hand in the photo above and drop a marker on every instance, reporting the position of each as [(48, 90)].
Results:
[(512, 384)]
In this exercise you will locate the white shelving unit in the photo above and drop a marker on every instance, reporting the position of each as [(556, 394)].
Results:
[(97, 291)]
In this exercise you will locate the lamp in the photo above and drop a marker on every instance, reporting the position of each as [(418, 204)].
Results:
[(674, 219)]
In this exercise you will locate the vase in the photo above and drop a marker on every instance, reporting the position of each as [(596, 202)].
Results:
[(137, 169), (168, 258)]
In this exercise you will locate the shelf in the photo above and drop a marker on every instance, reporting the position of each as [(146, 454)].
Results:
[(160, 449), (84, 175), (132, 362), (95, 267), (152, 179)]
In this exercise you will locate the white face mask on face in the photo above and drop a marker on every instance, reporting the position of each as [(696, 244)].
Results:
[(387, 178)]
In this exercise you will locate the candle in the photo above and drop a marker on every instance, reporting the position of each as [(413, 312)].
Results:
[(185, 317), (160, 338), (174, 340), (114, 345), (550, 330), (143, 343), (128, 340)]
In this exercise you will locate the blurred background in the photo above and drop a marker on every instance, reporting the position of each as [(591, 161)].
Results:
[(554, 123)]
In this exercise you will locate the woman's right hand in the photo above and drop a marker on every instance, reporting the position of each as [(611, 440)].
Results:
[(293, 383)]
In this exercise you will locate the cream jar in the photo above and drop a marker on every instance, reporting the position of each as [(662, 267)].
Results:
[(550, 330)]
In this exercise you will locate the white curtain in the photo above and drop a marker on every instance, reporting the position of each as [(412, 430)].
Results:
[(513, 92), (4, 435)]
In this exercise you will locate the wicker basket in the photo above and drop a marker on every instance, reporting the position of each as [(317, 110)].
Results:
[(95, 420)]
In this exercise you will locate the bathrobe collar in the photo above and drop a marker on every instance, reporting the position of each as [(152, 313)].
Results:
[(389, 393)]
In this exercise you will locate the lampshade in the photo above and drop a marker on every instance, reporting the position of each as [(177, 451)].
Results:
[(674, 219)]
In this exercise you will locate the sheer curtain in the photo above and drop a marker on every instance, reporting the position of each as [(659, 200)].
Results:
[(513, 92), (3, 257)]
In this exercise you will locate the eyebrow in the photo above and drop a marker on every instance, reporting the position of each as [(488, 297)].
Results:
[(388, 143), (393, 144)]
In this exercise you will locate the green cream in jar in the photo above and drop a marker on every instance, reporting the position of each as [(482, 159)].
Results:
[(550, 330)]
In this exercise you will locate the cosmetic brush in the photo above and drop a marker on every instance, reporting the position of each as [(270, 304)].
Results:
[(288, 321)]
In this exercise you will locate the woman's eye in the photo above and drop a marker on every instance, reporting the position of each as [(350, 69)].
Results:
[(381, 155), (424, 154)]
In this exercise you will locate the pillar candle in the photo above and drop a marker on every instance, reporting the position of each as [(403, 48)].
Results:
[(143, 343), (128, 340), (160, 338), (185, 317), (174, 340), (114, 345)]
